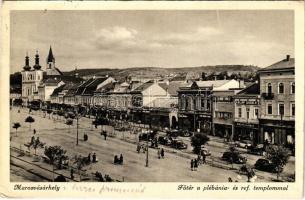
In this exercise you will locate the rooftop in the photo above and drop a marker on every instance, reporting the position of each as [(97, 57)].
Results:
[(287, 63), (250, 90)]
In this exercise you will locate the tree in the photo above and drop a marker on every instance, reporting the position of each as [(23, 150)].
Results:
[(278, 156), (35, 144), (29, 120), (197, 140), (54, 154), (69, 122), (80, 162), (16, 126)]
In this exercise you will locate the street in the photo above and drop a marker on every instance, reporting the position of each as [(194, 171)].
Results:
[(175, 167)]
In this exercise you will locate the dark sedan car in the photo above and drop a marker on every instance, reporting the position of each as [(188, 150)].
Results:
[(164, 140), (266, 165), (235, 156), (178, 144)]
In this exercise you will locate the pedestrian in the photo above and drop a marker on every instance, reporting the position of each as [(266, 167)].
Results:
[(89, 157), (230, 179), (199, 159), (138, 148), (162, 152), (94, 157), (121, 159), (158, 152), (115, 161), (105, 135), (32, 140), (192, 165), (72, 173), (34, 131), (195, 164)]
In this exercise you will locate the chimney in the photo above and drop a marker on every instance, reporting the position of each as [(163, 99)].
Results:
[(287, 57), (241, 83)]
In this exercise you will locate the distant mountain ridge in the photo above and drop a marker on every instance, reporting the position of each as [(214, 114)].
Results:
[(161, 72)]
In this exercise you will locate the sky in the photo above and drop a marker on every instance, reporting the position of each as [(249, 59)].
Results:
[(121, 39)]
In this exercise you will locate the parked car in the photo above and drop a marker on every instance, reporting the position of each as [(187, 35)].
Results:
[(164, 140), (178, 144), (244, 144), (234, 156), (172, 133), (175, 133), (266, 165), (205, 151), (185, 133), (256, 150)]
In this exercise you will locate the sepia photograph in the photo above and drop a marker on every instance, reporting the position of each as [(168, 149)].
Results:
[(152, 96)]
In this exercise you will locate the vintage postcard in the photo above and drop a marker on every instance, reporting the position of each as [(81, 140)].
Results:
[(152, 99)]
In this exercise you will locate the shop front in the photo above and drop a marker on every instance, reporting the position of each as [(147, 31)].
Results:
[(247, 131)]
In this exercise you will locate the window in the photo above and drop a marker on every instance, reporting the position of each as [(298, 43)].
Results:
[(269, 88), (202, 103), (194, 103), (292, 109), (208, 104), (281, 109), (269, 109), (256, 112), (239, 112), (248, 111), (292, 90), (281, 88)]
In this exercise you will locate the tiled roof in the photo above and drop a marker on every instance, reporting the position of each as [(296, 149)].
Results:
[(253, 89), (91, 87), (283, 64), (143, 87), (58, 90), (106, 88), (173, 86), (216, 83)]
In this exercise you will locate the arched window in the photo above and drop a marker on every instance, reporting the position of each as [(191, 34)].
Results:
[(292, 88), (269, 88), (281, 88)]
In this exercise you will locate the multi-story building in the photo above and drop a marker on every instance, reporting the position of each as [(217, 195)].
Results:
[(195, 103), (247, 112), (223, 112), (277, 90), (31, 79)]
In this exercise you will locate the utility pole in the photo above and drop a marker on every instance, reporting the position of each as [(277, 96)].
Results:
[(77, 129)]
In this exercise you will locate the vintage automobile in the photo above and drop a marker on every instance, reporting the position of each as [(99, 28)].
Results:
[(244, 144), (164, 140), (266, 165), (205, 151), (256, 150), (234, 156), (178, 144), (175, 133)]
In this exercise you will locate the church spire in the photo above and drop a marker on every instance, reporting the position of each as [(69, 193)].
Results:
[(50, 56), (27, 66), (37, 66)]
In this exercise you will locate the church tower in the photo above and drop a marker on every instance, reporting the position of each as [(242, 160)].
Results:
[(50, 60), (51, 69)]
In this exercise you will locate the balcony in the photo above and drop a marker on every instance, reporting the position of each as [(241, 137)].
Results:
[(268, 96)]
